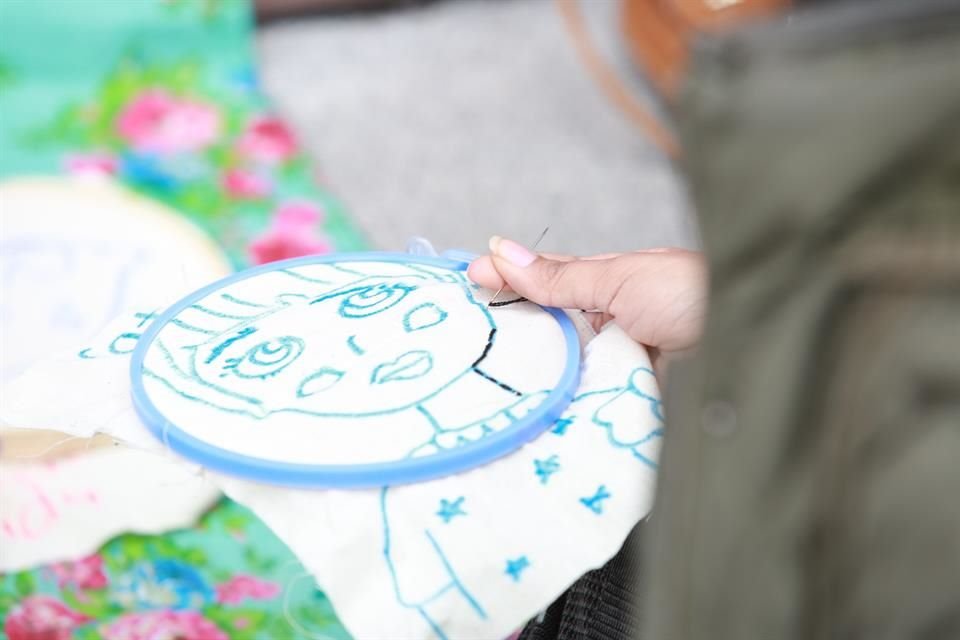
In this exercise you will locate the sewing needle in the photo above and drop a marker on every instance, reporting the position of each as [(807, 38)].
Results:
[(533, 248)]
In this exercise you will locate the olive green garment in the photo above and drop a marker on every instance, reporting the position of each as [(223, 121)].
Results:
[(810, 481)]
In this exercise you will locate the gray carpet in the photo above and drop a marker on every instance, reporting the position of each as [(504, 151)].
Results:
[(466, 118)]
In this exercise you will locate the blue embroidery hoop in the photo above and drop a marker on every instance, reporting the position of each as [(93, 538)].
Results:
[(403, 471)]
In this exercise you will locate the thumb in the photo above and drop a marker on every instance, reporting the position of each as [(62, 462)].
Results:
[(575, 284)]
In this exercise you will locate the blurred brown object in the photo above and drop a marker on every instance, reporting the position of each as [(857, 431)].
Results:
[(658, 32), (610, 83)]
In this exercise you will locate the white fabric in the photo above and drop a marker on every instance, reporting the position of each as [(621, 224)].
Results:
[(66, 509), (466, 556), (404, 562), (74, 253), (395, 567)]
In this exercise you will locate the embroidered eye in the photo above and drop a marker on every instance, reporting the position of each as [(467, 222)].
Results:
[(267, 358), (372, 300)]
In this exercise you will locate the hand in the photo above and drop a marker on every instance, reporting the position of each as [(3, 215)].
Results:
[(658, 297)]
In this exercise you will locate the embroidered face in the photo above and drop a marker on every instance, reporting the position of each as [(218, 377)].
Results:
[(371, 346), (345, 363)]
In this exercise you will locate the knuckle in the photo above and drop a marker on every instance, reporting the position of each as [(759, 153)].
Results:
[(563, 283), (612, 285), (553, 275)]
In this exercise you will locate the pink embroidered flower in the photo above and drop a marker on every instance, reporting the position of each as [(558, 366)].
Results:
[(42, 618), (244, 184), (243, 587), (86, 573), (291, 234), (158, 122), (91, 164), (267, 140), (163, 625)]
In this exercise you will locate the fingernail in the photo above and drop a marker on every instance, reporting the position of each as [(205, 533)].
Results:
[(514, 253), (493, 243)]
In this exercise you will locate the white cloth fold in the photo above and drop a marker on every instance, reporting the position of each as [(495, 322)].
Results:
[(472, 555)]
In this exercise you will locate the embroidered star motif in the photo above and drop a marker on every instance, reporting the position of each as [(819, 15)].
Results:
[(451, 509), (560, 426), (545, 468), (516, 567), (595, 502)]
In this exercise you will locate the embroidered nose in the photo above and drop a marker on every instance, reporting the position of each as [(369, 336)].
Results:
[(352, 343)]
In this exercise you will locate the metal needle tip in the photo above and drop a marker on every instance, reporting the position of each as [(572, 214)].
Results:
[(532, 248), (499, 291)]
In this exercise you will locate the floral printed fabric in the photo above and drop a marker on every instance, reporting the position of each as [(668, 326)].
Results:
[(166, 100), (162, 95), (227, 578)]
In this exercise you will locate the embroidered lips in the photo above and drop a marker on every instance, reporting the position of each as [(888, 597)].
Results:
[(409, 366)]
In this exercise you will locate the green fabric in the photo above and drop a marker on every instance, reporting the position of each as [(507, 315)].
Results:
[(55, 54), (69, 72), (227, 577)]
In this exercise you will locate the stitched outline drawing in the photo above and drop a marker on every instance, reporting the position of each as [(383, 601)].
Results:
[(277, 355), (453, 585), (418, 553), (209, 324)]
